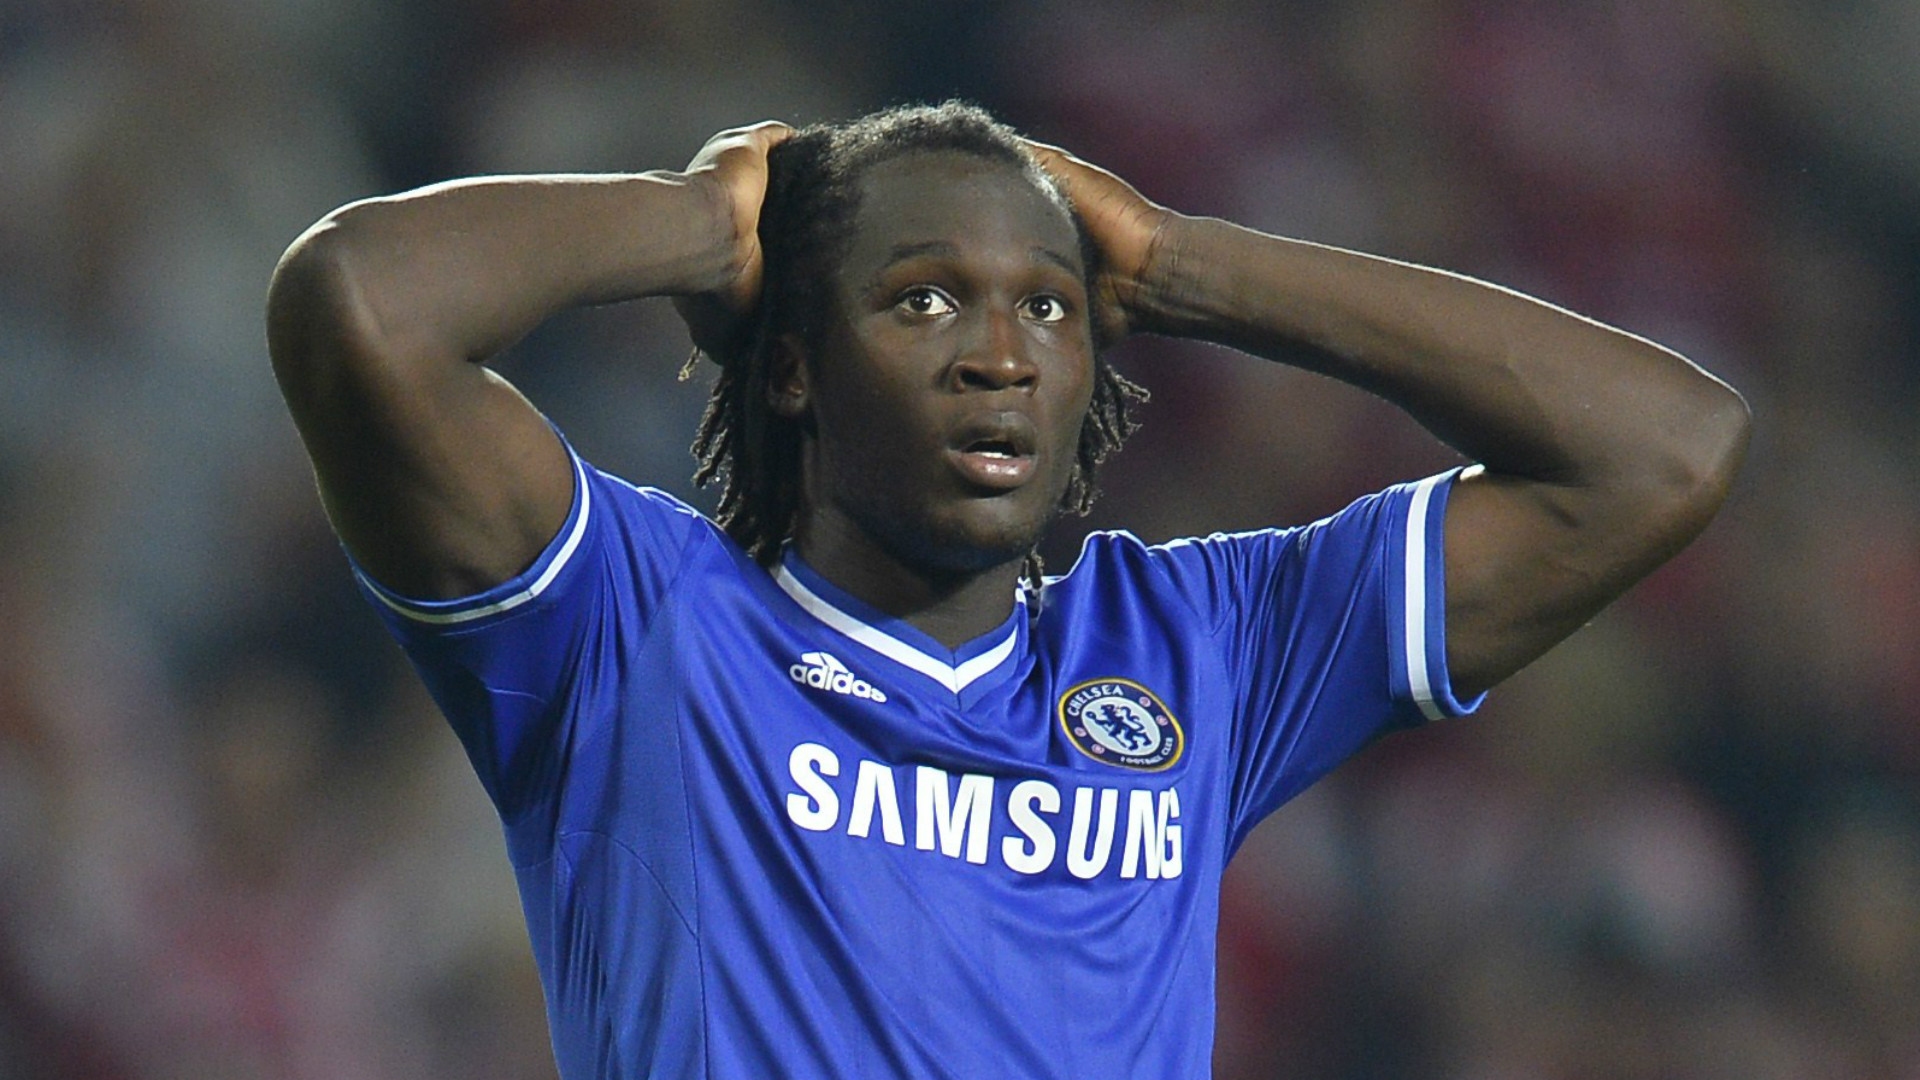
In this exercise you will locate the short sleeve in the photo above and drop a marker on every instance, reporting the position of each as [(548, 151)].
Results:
[(1332, 633), (516, 668)]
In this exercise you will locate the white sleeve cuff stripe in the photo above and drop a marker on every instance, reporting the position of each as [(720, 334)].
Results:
[(1418, 680), (434, 616)]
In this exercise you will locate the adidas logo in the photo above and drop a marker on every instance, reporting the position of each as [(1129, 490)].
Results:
[(822, 672)]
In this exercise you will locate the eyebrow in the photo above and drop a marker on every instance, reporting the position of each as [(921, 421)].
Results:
[(1059, 260), (946, 250), (903, 252)]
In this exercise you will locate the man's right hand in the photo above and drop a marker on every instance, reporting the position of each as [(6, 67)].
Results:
[(732, 166)]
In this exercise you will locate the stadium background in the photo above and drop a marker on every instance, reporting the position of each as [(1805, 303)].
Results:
[(235, 841)]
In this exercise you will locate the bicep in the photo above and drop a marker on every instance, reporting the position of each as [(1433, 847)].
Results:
[(440, 478)]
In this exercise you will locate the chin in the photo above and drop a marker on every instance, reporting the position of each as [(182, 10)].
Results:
[(972, 541)]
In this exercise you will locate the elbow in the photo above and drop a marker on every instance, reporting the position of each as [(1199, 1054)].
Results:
[(319, 312), (1721, 428), (303, 304), (1705, 445)]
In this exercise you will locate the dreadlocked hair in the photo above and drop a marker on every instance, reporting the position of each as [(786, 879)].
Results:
[(806, 224)]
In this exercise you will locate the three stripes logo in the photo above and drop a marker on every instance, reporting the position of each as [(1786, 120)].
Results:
[(822, 671)]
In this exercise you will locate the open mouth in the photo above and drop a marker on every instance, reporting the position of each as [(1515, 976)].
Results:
[(996, 451), (993, 448)]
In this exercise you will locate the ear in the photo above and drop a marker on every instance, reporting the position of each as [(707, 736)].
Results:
[(787, 387)]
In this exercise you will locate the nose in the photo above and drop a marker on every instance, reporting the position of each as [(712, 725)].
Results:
[(996, 357)]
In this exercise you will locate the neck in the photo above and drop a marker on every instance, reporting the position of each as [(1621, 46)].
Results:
[(952, 607)]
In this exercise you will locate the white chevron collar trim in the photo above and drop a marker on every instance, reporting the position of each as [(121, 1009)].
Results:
[(954, 678)]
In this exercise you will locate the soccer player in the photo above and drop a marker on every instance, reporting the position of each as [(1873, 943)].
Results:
[(836, 785)]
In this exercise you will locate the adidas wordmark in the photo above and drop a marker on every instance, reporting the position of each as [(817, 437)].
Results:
[(822, 672)]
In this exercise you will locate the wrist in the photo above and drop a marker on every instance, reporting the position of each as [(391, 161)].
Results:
[(710, 249), (1161, 298)]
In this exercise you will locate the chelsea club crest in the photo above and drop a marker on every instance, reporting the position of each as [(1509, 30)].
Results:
[(1120, 722)]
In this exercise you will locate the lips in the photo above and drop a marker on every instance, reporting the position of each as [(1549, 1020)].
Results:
[(995, 450)]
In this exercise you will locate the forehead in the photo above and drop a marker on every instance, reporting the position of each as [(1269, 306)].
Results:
[(961, 199)]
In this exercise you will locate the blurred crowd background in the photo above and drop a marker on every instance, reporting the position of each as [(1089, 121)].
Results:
[(237, 842)]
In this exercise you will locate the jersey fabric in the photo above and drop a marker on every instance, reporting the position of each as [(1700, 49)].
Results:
[(761, 829)]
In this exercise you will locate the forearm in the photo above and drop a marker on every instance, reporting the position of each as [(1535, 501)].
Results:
[(1518, 385), (1604, 453), (461, 270)]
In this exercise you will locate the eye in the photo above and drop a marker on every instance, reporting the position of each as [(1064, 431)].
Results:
[(1045, 308), (925, 300)]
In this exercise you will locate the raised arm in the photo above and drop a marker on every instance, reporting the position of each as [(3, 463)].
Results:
[(1600, 454), (441, 479)]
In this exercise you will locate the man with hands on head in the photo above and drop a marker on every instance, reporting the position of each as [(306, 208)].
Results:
[(835, 784)]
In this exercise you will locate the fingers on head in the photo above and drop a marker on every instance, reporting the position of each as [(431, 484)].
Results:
[(767, 133)]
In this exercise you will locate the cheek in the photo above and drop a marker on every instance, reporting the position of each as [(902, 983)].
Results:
[(853, 405), (868, 444), (1076, 407), (867, 368)]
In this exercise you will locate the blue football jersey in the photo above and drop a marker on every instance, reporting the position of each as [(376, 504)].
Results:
[(763, 830)]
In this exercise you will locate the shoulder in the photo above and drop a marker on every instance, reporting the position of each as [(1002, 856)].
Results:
[(641, 512), (1104, 555), (1256, 573), (1183, 579), (1110, 557), (625, 496)]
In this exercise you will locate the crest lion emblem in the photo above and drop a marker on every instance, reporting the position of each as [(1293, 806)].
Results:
[(1119, 722)]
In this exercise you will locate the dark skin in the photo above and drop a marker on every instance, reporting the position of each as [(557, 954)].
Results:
[(438, 476), (1601, 454), (946, 408)]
